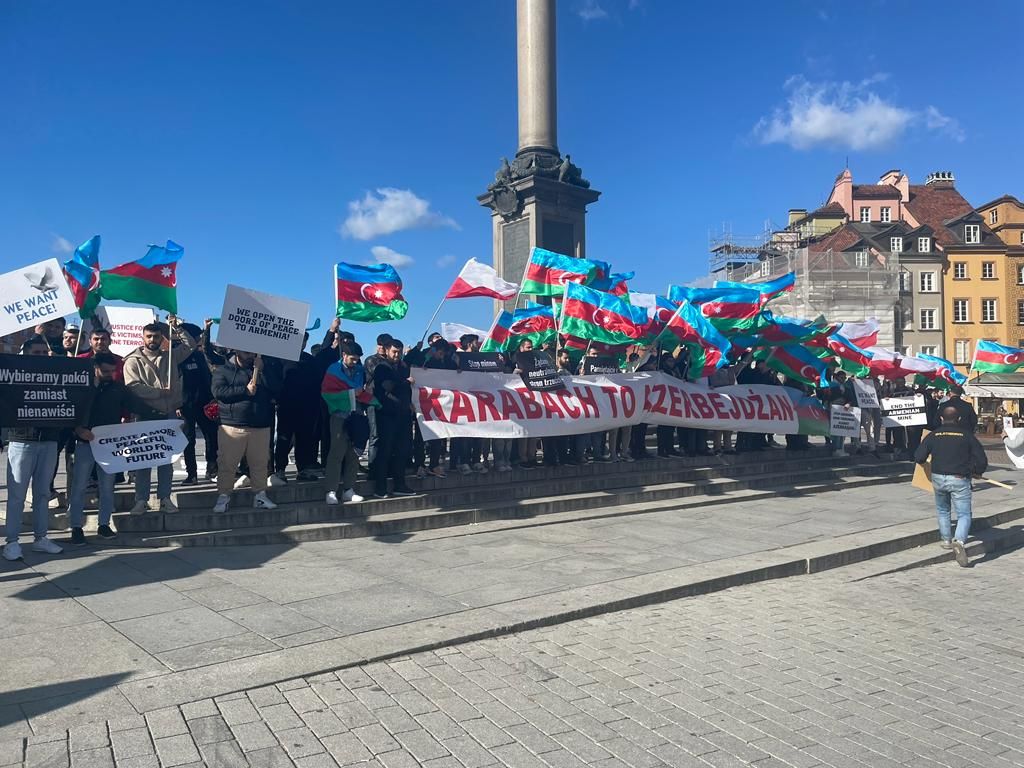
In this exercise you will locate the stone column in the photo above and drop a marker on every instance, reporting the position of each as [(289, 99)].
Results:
[(535, 57)]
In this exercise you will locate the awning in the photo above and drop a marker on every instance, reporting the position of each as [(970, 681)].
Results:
[(1003, 386)]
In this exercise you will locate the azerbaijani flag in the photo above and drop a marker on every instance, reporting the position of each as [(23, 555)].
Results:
[(945, 376), (598, 316), (371, 293), (730, 310), (548, 272), (659, 312), (798, 363), (769, 290), (844, 353), (150, 280), (707, 347), (478, 279), (82, 272), (778, 330), (342, 391), (990, 357), (536, 323), (614, 283)]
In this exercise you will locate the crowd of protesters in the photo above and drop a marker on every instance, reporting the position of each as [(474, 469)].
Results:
[(336, 405)]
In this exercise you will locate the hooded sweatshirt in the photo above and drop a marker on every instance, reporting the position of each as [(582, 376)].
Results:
[(146, 374)]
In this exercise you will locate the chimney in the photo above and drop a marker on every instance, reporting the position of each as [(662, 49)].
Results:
[(940, 179), (795, 214)]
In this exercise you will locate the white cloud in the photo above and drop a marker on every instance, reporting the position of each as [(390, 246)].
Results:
[(384, 255), (591, 10), (446, 261), (390, 210), (844, 114), (704, 281), (61, 245)]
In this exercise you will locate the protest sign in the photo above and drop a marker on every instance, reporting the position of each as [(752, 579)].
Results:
[(141, 444), (37, 391), (485, 362), (844, 423), (33, 295), (451, 404), (904, 411), (867, 397), (262, 323), (538, 372), (594, 366), (125, 325)]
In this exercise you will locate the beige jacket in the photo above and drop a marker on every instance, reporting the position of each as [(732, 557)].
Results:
[(145, 374)]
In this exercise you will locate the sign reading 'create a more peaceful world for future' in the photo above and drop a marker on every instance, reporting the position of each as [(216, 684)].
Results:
[(141, 444), (33, 295), (262, 323), (37, 391)]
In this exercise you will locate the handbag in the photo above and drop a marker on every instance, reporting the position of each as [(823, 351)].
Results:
[(212, 410)]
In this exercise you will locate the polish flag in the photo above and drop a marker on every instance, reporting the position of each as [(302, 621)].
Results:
[(452, 332), (862, 335), (890, 365), (478, 279)]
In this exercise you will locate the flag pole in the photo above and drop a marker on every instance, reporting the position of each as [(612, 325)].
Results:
[(433, 317)]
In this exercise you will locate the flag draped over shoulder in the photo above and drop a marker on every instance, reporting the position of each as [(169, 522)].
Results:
[(990, 357), (369, 293), (151, 280), (548, 272), (597, 316), (478, 279), (82, 272)]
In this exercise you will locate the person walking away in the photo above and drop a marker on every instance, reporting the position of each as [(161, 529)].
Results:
[(31, 460), (956, 456), (392, 386), (968, 416), (112, 403), (195, 397), (347, 394), (151, 372)]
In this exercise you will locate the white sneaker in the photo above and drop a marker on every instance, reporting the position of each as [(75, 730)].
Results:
[(167, 506), (141, 507), (332, 499), (351, 495), (277, 480), (464, 469), (222, 504), (12, 551), (47, 546), (242, 482), (260, 501), (479, 467)]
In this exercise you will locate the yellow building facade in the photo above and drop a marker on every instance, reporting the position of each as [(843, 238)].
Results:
[(1005, 217)]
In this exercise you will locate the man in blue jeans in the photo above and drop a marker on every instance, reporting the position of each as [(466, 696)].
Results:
[(956, 456), (31, 461)]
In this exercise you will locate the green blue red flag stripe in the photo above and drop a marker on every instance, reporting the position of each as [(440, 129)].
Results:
[(369, 293), (548, 272), (598, 316)]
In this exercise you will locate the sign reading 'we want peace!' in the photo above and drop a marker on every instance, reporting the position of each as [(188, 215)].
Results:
[(33, 295)]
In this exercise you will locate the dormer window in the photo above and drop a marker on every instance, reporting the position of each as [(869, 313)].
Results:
[(860, 258), (896, 244), (865, 215), (924, 244), (886, 215), (972, 234), (993, 216)]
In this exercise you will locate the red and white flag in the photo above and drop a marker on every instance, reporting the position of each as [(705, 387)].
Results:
[(862, 335), (452, 332), (478, 279)]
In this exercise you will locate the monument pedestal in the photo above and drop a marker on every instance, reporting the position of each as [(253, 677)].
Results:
[(535, 211)]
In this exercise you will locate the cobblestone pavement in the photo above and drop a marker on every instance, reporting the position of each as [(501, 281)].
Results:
[(920, 668)]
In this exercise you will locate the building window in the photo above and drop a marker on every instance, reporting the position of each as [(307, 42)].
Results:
[(906, 318), (972, 234), (988, 311), (926, 350), (1022, 238), (766, 269), (1020, 275), (896, 244), (959, 270), (904, 351), (906, 281), (865, 215), (886, 216), (988, 270), (960, 311), (962, 352), (927, 320), (927, 282), (993, 216), (924, 244), (860, 258), (1020, 312)]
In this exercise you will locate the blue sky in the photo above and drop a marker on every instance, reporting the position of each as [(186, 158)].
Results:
[(246, 130)]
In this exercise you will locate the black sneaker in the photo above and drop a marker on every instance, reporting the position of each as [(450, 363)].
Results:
[(190, 480), (211, 475), (78, 538), (379, 495), (403, 492), (960, 553), (106, 532)]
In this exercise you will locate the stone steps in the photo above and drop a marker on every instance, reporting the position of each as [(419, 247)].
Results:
[(314, 521)]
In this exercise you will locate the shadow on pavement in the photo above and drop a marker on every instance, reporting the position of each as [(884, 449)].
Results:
[(997, 553), (60, 694)]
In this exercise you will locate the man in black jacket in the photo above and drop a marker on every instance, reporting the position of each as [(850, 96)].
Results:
[(195, 396), (393, 389), (369, 364), (956, 456), (245, 393)]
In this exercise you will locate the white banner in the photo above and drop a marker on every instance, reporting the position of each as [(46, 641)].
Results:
[(497, 405), (262, 323), (904, 411), (867, 396), (141, 444), (33, 295), (125, 325), (843, 422)]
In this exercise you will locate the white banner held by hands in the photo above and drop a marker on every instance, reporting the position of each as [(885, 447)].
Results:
[(262, 323), (32, 295), (139, 445)]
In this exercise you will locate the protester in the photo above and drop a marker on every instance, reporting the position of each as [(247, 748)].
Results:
[(392, 387), (31, 462), (525, 447), (344, 389), (111, 404), (956, 456), (99, 341), (369, 365), (152, 373), (468, 453), (298, 414), (196, 400), (838, 394), (69, 340), (968, 416), (440, 356), (53, 332)]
